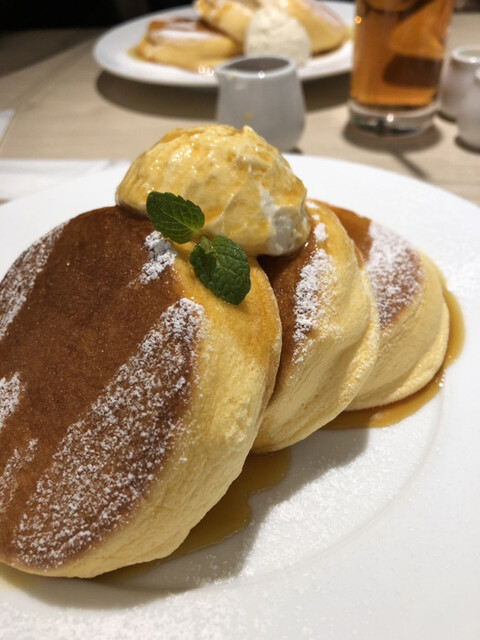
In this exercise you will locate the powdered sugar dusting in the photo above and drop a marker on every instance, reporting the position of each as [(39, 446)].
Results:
[(20, 279), (9, 393), (310, 298), (161, 254), (10, 474), (87, 488), (392, 267)]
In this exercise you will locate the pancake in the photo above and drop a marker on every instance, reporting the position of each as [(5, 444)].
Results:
[(229, 16), (186, 43), (330, 332), (130, 395), (414, 318), (325, 29)]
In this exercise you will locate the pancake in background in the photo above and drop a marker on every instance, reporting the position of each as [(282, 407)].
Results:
[(229, 16), (414, 318), (330, 332), (186, 43), (326, 30), (131, 395)]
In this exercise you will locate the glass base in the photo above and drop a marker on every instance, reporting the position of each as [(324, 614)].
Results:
[(387, 122)]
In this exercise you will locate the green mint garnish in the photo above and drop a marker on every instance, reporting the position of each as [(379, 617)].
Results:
[(174, 217), (220, 264)]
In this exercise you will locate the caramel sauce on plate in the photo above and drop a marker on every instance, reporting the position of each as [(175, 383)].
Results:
[(393, 413), (232, 512), (228, 516)]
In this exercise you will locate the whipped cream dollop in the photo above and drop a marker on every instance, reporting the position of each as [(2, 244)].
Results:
[(244, 186), (273, 31)]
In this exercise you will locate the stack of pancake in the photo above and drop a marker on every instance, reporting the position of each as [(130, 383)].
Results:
[(130, 395)]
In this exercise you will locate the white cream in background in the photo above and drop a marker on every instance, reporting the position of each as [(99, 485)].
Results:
[(272, 31)]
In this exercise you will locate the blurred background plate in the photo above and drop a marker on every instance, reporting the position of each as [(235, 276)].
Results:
[(112, 51)]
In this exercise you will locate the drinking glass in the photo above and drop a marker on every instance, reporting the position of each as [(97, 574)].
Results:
[(399, 47)]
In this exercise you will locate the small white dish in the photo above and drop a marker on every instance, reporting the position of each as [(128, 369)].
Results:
[(458, 78), (265, 93), (469, 114)]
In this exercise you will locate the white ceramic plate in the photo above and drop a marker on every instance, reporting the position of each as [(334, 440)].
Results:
[(372, 533), (111, 52)]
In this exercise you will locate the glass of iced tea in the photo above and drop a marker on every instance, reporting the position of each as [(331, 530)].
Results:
[(399, 47)]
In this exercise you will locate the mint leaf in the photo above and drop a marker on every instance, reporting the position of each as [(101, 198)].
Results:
[(207, 256), (222, 266), (175, 217)]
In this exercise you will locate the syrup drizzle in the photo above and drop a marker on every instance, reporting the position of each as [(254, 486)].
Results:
[(227, 517)]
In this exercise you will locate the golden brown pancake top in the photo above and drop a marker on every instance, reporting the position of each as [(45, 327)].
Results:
[(96, 366), (296, 280), (392, 264), (284, 273)]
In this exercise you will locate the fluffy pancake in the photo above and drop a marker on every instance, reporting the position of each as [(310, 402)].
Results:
[(414, 318), (186, 43), (229, 16), (329, 330), (324, 27), (130, 395), (244, 186)]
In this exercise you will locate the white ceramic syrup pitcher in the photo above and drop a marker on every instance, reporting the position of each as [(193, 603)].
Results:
[(458, 78), (469, 115), (265, 93)]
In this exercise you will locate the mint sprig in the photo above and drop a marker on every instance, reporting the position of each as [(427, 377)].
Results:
[(220, 264), (175, 217)]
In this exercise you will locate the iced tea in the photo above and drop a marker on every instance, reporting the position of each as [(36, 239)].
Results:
[(398, 54)]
